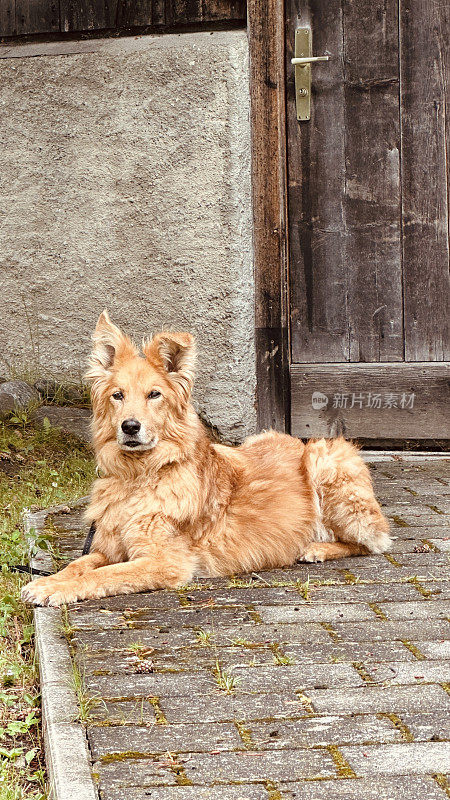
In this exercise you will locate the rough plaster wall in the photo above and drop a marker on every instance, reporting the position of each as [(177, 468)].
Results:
[(124, 182)]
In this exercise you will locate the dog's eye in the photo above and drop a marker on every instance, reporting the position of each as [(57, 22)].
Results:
[(118, 395), (154, 394)]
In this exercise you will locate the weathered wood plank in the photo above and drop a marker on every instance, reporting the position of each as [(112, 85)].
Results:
[(425, 77), (87, 15), (36, 16), (316, 159), (372, 401), (100, 14), (266, 38), (7, 18), (372, 185), (182, 11)]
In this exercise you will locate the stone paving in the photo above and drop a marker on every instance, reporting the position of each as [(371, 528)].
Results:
[(318, 682)]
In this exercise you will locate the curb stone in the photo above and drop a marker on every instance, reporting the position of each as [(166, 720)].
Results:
[(66, 749)]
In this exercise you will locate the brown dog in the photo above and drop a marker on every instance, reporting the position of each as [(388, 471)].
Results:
[(170, 504)]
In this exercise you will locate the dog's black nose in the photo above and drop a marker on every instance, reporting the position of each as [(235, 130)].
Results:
[(131, 426)]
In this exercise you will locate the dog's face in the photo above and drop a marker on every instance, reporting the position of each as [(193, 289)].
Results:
[(138, 398)]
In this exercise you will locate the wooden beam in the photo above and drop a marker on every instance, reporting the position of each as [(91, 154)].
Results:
[(383, 402), (267, 82)]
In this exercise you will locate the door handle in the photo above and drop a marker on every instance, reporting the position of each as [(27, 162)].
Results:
[(309, 60), (302, 64)]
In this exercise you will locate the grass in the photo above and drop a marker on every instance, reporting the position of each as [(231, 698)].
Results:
[(282, 660), (204, 637), (86, 701), (38, 468), (224, 680)]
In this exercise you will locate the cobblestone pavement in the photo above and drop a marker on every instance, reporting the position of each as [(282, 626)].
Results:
[(316, 681)]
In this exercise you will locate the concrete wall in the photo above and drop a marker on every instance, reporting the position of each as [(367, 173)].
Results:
[(125, 183)]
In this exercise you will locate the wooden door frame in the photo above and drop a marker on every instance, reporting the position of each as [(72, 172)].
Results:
[(269, 195)]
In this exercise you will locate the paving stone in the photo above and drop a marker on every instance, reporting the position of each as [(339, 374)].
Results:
[(163, 738), (124, 712), (164, 600), (397, 673), (147, 618), (435, 609), (439, 590), (230, 707), (351, 651), (247, 792), (412, 532), (356, 729), (279, 678), (414, 758), (267, 634), (376, 699), (434, 649), (134, 772), (411, 787), (95, 640), (371, 593), (428, 726), (323, 612), (442, 544), (120, 686), (181, 659), (258, 766), (382, 630)]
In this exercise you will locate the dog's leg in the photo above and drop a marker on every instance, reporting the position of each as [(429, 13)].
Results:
[(141, 574), (38, 590), (348, 504), (323, 551)]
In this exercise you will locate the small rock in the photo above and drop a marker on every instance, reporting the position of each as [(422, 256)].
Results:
[(16, 395), (69, 419)]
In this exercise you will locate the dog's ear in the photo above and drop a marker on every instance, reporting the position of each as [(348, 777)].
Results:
[(108, 341), (177, 353)]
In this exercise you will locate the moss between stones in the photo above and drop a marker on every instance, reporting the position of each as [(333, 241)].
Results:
[(273, 791), (112, 758), (401, 523), (392, 560), (181, 779), (343, 768), (349, 577), (253, 614), (329, 629), (399, 724), (306, 703), (159, 714), (434, 508), (413, 649), (245, 734), (377, 610), (414, 581), (442, 782), (362, 672)]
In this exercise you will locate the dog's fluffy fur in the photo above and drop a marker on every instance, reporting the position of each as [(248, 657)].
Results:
[(170, 504)]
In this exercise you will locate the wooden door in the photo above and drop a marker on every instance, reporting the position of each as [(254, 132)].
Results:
[(368, 221)]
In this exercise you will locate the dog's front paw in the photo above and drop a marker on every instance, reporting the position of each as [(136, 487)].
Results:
[(314, 552), (64, 593), (36, 592)]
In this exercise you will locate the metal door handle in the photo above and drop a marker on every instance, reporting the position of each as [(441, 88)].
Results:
[(309, 60), (302, 64)]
